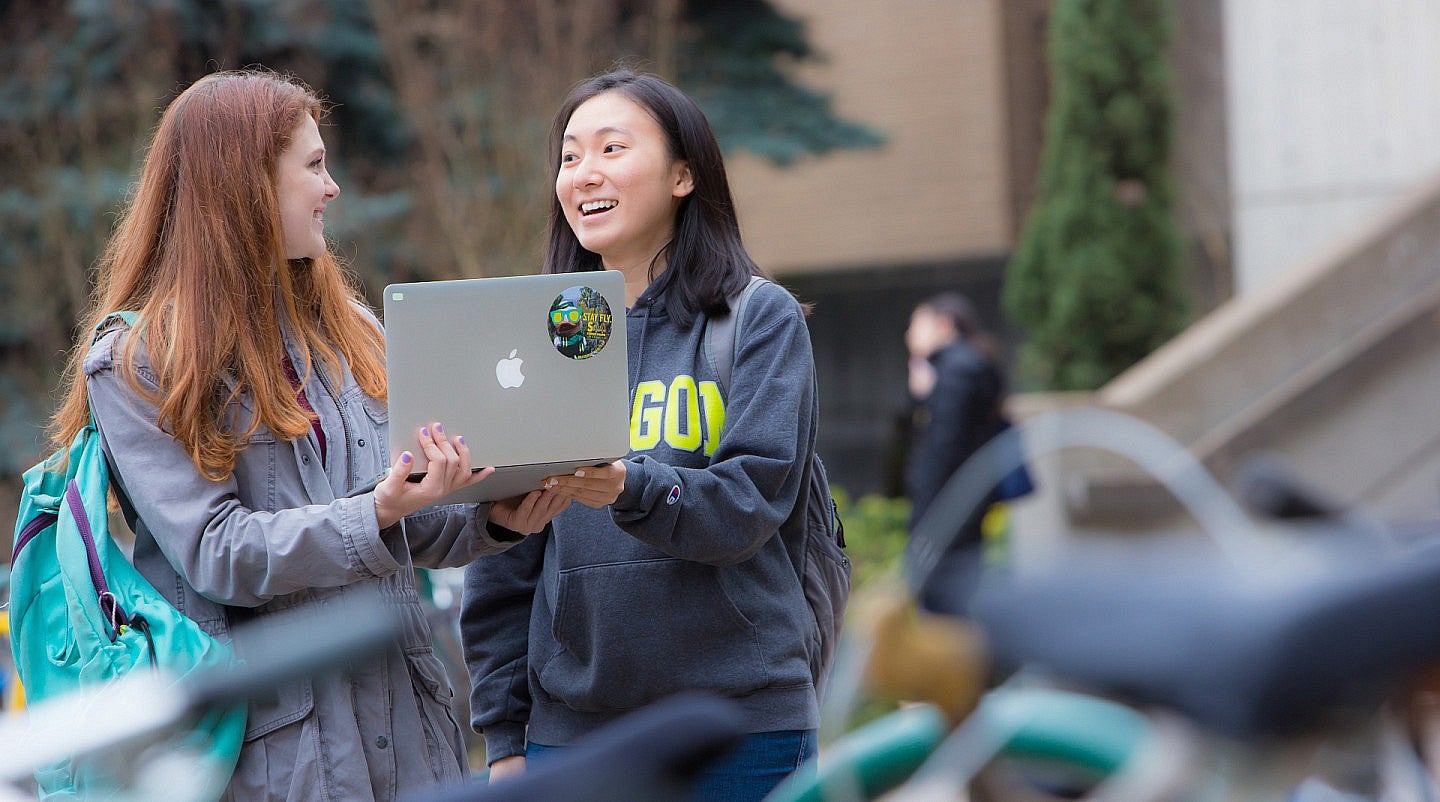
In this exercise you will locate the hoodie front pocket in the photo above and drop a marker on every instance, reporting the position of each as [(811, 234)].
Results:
[(630, 633)]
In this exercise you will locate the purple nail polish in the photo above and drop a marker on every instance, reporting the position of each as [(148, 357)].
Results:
[(460, 439), (424, 431), (439, 428), (406, 458)]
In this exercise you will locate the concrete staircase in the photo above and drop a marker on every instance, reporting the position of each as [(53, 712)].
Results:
[(1334, 366)]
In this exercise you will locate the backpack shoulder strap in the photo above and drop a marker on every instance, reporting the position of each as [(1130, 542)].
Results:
[(721, 341), (107, 322)]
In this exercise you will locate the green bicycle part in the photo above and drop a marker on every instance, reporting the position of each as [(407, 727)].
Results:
[(870, 760)]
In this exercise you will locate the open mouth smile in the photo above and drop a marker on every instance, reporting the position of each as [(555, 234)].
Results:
[(597, 207)]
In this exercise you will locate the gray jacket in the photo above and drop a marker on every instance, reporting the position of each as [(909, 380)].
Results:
[(280, 533)]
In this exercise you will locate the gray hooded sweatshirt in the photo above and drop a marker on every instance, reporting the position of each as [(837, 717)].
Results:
[(690, 580)]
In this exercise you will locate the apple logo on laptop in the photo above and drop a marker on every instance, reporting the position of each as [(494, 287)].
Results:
[(507, 371)]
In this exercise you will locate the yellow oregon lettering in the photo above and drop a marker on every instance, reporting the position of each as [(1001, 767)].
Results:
[(688, 416), (714, 407), (682, 410), (646, 415)]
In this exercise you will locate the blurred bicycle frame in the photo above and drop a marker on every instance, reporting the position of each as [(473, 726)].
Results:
[(1095, 701), (1051, 685)]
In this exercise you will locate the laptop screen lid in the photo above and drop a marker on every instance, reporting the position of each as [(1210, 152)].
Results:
[(531, 370)]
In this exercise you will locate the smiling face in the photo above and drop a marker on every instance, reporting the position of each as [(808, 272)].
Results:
[(617, 183), (304, 187)]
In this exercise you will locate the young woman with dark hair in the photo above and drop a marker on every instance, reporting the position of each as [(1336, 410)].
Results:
[(957, 394), (679, 570), (240, 414), (702, 245)]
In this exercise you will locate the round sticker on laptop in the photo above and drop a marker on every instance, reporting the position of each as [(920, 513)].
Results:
[(579, 322)]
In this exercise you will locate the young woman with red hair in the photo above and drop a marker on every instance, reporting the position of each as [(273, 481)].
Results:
[(240, 415)]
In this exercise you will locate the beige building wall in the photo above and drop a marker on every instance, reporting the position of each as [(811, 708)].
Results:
[(1334, 110), (929, 75)]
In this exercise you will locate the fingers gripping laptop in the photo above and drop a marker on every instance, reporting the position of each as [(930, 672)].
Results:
[(532, 370)]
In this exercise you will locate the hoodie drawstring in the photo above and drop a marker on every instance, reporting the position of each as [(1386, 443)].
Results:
[(640, 357)]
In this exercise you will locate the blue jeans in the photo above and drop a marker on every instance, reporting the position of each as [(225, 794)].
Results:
[(744, 774)]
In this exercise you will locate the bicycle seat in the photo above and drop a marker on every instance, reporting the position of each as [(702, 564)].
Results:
[(651, 755), (1244, 652)]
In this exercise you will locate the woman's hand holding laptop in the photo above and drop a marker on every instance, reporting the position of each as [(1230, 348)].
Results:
[(529, 513), (448, 471), (595, 486)]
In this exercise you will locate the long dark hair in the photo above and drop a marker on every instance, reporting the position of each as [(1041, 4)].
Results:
[(957, 309), (961, 313), (706, 259)]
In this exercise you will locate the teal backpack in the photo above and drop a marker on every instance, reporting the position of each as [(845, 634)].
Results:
[(82, 616)]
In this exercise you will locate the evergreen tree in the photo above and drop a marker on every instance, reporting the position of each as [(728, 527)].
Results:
[(441, 113), (1096, 277), (733, 67)]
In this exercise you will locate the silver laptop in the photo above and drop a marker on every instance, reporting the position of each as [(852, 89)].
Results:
[(532, 370)]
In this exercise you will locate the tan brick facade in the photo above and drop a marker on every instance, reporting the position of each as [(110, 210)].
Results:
[(930, 75)]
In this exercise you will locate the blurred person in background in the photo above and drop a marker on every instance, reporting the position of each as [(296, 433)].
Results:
[(240, 415), (679, 570), (957, 394)]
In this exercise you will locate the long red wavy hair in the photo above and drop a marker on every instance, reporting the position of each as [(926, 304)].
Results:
[(199, 254)]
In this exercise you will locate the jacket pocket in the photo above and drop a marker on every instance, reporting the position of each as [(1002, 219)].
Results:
[(435, 700), (631, 633), (257, 472), (290, 703), (282, 748), (376, 408), (373, 445)]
